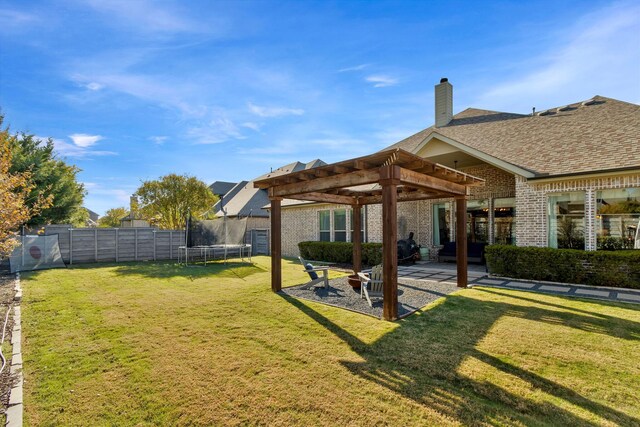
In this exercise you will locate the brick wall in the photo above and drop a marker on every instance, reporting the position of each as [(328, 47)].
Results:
[(300, 224), (531, 205)]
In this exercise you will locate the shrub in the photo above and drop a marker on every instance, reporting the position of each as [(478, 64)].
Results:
[(340, 252), (617, 269)]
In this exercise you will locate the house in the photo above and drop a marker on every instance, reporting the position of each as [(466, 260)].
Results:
[(242, 200), (133, 219), (567, 177), (93, 218)]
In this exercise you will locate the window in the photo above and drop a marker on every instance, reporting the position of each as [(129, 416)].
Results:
[(324, 221), (340, 225), (478, 221), (361, 222), (504, 221), (441, 223), (618, 219), (566, 221)]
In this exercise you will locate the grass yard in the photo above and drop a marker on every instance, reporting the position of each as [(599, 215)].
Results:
[(160, 344)]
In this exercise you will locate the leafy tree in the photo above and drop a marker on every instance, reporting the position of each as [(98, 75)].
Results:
[(15, 190), (112, 217), (48, 176), (166, 202)]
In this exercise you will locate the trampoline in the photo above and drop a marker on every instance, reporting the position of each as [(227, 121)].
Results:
[(213, 252)]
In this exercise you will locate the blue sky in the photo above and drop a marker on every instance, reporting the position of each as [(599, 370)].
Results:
[(132, 90)]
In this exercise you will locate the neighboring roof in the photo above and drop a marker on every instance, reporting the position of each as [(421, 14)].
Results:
[(220, 188), (244, 200), (594, 135), (92, 215)]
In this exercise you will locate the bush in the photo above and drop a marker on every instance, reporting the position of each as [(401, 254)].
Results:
[(617, 269), (340, 252)]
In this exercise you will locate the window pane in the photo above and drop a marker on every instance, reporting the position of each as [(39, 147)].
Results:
[(618, 219), (340, 236), (323, 218), (478, 221), (504, 221), (566, 221), (441, 223), (340, 220), (325, 236)]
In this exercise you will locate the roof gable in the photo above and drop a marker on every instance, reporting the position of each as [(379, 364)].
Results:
[(579, 137)]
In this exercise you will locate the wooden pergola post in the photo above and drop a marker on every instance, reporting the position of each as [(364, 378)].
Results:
[(276, 244), (389, 179), (357, 238), (461, 241)]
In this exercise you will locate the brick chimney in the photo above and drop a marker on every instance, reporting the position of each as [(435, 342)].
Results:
[(444, 102)]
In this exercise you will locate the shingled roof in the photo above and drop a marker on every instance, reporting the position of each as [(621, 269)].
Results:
[(245, 200), (589, 136)]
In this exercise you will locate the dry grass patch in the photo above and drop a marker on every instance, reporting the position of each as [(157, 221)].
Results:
[(160, 344)]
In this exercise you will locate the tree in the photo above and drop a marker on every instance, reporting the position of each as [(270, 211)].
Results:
[(15, 190), (112, 217), (166, 202), (48, 176)]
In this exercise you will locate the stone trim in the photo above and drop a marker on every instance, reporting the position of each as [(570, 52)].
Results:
[(15, 409)]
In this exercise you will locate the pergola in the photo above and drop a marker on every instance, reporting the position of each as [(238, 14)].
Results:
[(386, 177)]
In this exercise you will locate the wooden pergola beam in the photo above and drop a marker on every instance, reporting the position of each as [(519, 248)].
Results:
[(327, 198), (416, 179), (322, 184), (276, 244), (389, 179)]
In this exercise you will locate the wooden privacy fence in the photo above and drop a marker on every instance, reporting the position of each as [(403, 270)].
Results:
[(78, 245)]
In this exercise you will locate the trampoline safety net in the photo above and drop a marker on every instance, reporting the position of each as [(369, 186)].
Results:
[(229, 231), (36, 253)]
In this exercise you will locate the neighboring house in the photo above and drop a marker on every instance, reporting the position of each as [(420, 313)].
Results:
[(241, 200), (133, 219), (93, 218), (567, 177)]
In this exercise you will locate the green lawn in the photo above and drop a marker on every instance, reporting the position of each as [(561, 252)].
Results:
[(160, 344)]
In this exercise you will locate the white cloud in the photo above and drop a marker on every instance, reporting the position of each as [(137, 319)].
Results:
[(274, 111), (158, 139), (218, 129), (251, 125), (94, 86), (83, 140), (69, 149), (355, 68), (15, 20), (381, 80), (599, 55), (147, 16)]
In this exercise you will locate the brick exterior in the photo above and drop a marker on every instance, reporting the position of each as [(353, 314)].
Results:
[(301, 223), (531, 205)]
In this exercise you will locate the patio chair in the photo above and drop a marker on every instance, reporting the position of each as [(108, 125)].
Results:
[(371, 284), (313, 274)]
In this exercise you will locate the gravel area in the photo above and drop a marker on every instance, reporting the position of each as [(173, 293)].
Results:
[(412, 295)]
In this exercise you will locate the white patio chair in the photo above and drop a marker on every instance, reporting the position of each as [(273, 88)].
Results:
[(371, 284), (313, 274)]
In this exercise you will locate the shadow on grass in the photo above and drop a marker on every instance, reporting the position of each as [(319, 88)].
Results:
[(421, 360), (173, 269)]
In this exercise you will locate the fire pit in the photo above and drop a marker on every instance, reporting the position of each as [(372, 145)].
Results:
[(354, 281)]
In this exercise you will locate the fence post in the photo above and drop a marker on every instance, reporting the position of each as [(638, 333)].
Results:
[(136, 243), (154, 245), (22, 250), (117, 243), (71, 246), (95, 235), (170, 244)]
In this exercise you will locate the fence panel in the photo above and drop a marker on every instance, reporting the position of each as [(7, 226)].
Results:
[(80, 245)]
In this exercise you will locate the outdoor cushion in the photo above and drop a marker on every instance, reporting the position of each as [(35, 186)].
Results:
[(312, 274)]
